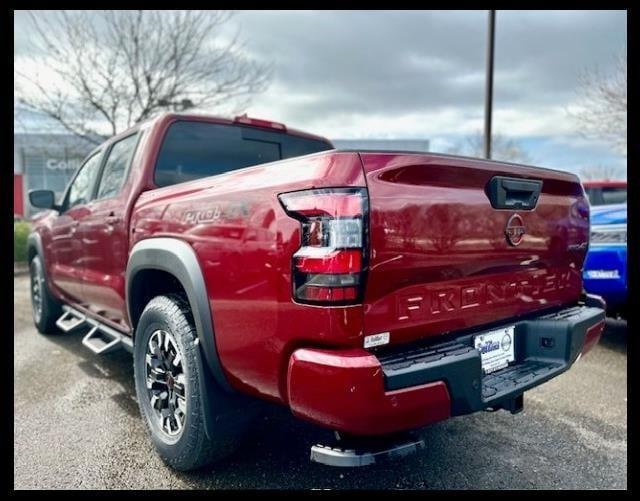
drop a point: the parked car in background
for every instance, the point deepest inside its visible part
(606, 192)
(605, 270)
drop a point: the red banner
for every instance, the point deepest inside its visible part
(18, 199)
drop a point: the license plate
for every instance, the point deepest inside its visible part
(602, 274)
(496, 348)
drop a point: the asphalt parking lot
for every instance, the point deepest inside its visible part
(77, 426)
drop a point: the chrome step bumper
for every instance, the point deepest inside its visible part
(366, 451)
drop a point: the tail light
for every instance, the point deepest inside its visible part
(329, 266)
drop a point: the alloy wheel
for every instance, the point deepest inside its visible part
(166, 382)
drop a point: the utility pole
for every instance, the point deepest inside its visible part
(488, 96)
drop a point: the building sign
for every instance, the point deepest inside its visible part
(60, 164)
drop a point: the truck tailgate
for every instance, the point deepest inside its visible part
(443, 257)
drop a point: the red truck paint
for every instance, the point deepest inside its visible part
(352, 398)
(438, 262)
(246, 257)
(439, 258)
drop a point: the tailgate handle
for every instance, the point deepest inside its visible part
(513, 193)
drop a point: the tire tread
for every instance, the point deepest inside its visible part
(198, 450)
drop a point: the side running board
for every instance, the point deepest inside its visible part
(100, 339)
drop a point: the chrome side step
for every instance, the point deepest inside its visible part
(365, 452)
(100, 339)
(70, 319)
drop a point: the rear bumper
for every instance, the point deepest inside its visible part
(353, 391)
(605, 273)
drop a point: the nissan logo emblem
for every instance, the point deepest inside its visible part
(514, 230)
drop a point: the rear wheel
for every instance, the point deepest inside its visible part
(45, 308)
(191, 421)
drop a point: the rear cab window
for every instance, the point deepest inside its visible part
(193, 150)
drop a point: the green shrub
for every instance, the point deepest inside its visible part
(20, 234)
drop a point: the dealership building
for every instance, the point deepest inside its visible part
(44, 161)
(47, 161)
(421, 145)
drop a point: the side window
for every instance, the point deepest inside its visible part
(82, 186)
(116, 166)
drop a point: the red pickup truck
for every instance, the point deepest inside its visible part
(370, 292)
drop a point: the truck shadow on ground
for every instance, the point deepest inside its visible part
(275, 453)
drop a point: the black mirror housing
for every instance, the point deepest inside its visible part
(42, 199)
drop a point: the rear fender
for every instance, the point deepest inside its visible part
(177, 258)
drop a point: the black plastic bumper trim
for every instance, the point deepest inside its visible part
(545, 346)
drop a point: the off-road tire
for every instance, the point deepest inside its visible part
(50, 308)
(226, 417)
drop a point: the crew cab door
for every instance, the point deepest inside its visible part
(104, 234)
(66, 249)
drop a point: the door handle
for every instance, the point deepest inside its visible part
(111, 220)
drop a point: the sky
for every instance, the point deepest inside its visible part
(421, 74)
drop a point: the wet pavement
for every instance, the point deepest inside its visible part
(77, 426)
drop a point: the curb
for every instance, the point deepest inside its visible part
(20, 269)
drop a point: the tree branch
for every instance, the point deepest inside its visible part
(105, 71)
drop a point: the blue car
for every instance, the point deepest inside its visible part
(605, 269)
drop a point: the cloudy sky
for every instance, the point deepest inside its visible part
(417, 75)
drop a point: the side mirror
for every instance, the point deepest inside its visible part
(43, 199)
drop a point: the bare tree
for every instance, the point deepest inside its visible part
(601, 172)
(602, 105)
(502, 148)
(107, 70)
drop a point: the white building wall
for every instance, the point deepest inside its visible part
(383, 144)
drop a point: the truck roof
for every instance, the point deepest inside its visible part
(242, 120)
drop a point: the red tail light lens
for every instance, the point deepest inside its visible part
(329, 266)
(339, 261)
